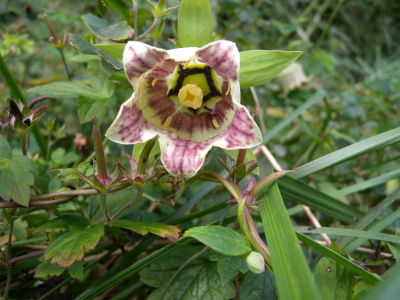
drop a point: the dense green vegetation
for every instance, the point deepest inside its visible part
(81, 219)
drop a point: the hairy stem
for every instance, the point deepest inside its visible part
(9, 268)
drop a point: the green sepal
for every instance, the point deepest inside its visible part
(195, 26)
(144, 156)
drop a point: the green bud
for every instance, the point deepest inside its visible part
(255, 262)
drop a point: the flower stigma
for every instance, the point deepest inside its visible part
(191, 96)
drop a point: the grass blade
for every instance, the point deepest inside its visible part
(299, 192)
(368, 145)
(367, 183)
(340, 259)
(350, 232)
(292, 274)
(306, 105)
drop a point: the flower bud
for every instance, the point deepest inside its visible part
(291, 78)
(255, 262)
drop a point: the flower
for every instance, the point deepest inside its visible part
(291, 78)
(189, 97)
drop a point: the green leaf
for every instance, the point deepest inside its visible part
(228, 266)
(388, 289)
(291, 271)
(259, 287)
(249, 156)
(66, 90)
(260, 66)
(372, 278)
(83, 46)
(76, 269)
(69, 174)
(117, 6)
(46, 269)
(199, 280)
(163, 230)
(333, 280)
(115, 50)
(395, 250)
(66, 221)
(368, 145)
(221, 239)
(16, 175)
(350, 232)
(71, 245)
(138, 148)
(299, 192)
(114, 30)
(89, 107)
(318, 95)
(195, 25)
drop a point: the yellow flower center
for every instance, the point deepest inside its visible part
(191, 96)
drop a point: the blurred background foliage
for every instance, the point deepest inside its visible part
(351, 49)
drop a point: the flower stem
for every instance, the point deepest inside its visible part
(134, 202)
(65, 63)
(103, 204)
(24, 139)
(241, 157)
(155, 22)
(230, 186)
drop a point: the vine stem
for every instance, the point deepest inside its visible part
(155, 22)
(134, 202)
(306, 209)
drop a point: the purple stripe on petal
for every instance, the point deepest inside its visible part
(243, 132)
(139, 58)
(223, 57)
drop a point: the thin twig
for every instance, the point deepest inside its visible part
(13, 261)
(363, 249)
(259, 109)
(134, 202)
(306, 209)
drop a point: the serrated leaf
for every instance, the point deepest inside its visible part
(89, 107)
(85, 168)
(221, 239)
(83, 46)
(16, 175)
(260, 66)
(259, 287)
(46, 269)
(68, 174)
(103, 29)
(229, 266)
(66, 221)
(76, 269)
(195, 25)
(333, 280)
(167, 231)
(71, 245)
(199, 279)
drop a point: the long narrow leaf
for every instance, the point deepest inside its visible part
(368, 145)
(292, 274)
(306, 105)
(340, 259)
(350, 232)
(367, 183)
(370, 217)
(301, 193)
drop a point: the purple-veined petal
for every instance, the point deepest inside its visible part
(242, 133)
(223, 57)
(130, 127)
(157, 107)
(139, 58)
(183, 157)
(182, 54)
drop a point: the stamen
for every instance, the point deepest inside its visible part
(215, 123)
(229, 87)
(154, 82)
(168, 121)
(187, 63)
